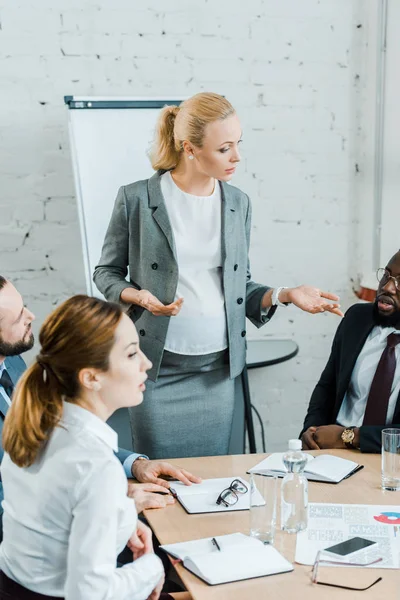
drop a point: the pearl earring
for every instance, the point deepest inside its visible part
(191, 157)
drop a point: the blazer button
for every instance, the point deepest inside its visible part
(239, 300)
(235, 268)
(142, 332)
(154, 266)
(243, 333)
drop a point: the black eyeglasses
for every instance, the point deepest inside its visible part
(383, 276)
(320, 561)
(230, 495)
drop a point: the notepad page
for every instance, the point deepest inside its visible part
(238, 563)
(331, 468)
(202, 497)
(207, 486)
(194, 548)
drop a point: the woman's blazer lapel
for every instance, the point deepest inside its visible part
(160, 213)
(228, 217)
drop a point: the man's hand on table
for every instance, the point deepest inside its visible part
(308, 441)
(327, 436)
(149, 471)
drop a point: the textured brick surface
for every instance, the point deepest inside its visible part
(292, 70)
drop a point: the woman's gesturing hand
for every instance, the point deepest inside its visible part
(311, 299)
(147, 300)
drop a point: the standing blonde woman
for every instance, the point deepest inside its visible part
(185, 234)
(66, 510)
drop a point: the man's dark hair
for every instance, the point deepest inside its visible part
(3, 282)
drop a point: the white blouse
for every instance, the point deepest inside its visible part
(67, 517)
(200, 327)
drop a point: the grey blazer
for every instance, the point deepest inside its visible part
(140, 237)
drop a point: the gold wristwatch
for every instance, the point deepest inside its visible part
(348, 437)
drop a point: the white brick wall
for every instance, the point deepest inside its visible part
(290, 69)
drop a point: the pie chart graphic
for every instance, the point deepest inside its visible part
(390, 518)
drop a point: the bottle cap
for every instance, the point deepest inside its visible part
(295, 445)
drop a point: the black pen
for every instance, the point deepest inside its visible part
(173, 493)
(214, 541)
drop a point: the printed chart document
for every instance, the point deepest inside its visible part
(325, 467)
(240, 557)
(330, 524)
(202, 497)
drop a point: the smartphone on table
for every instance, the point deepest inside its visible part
(349, 546)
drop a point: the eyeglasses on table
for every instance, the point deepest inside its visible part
(319, 560)
(230, 495)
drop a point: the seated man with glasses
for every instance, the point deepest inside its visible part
(358, 393)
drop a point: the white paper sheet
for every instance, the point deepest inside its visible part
(330, 524)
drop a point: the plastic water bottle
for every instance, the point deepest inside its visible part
(294, 491)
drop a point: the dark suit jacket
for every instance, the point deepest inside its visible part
(329, 393)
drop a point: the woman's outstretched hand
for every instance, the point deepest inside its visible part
(147, 300)
(311, 299)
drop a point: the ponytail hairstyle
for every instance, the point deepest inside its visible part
(79, 333)
(187, 122)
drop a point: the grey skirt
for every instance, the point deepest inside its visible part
(188, 411)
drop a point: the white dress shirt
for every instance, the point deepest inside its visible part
(3, 391)
(67, 517)
(200, 327)
(354, 403)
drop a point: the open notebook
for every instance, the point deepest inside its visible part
(202, 497)
(240, 557)
(325, 467)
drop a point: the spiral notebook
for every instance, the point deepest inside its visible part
(240, 557)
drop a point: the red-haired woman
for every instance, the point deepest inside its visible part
(66, 510)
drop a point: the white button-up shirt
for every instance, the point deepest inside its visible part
(67, 517)
(354, 403)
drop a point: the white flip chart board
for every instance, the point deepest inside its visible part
(110, 139)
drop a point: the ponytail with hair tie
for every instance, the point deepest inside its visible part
(166, 152)
(40, 362)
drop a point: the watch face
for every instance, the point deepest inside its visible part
(348, 435)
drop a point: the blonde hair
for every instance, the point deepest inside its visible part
(186, 122)
(77, 334)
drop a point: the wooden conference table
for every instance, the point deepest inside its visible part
(173, 524)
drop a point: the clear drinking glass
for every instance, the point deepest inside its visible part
(391, 459)
(263, 498)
